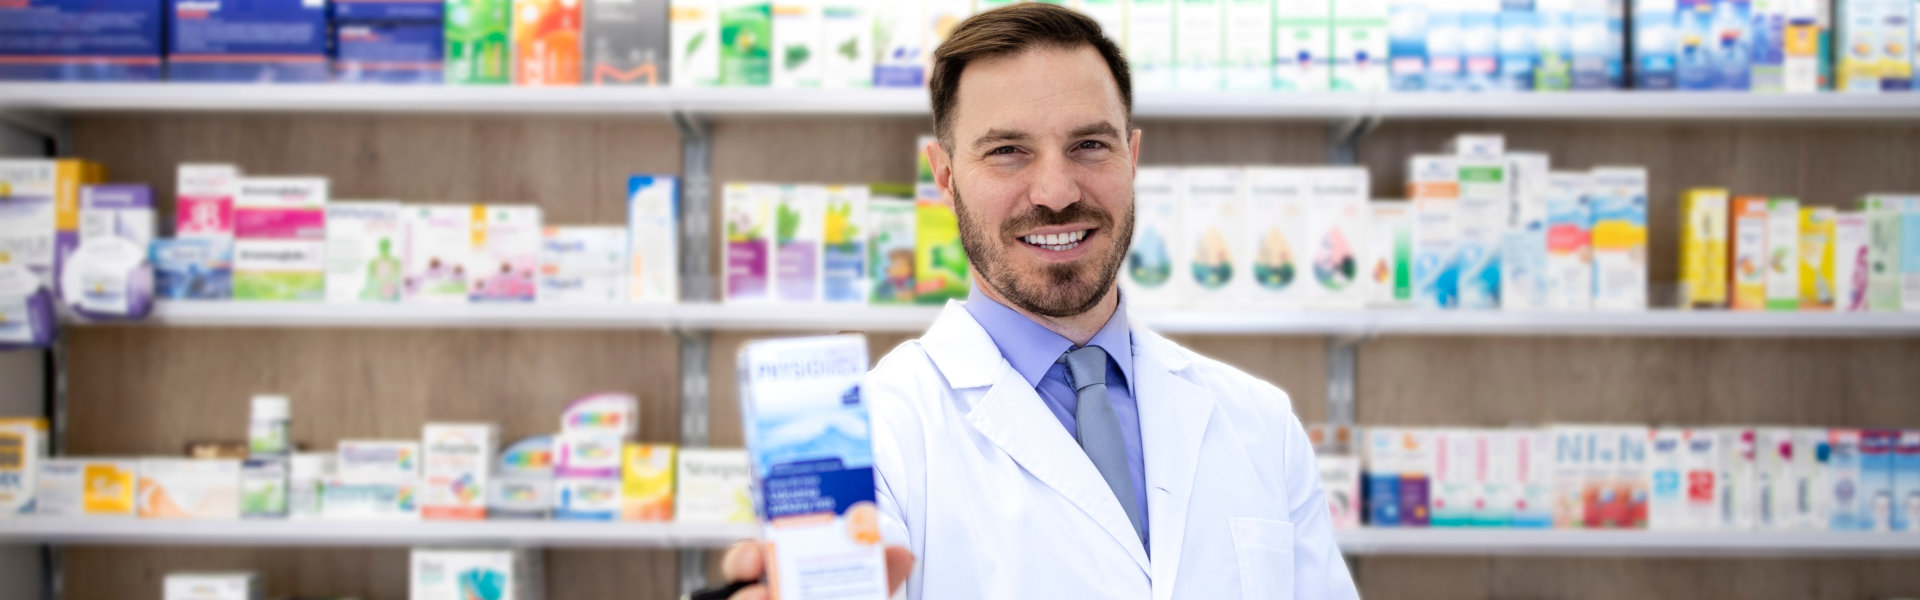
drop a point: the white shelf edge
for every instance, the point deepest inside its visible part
(1360, 542)
(371, 533)
(914, 319)
(905, 102)
(1576, 543)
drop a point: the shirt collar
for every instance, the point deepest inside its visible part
(1032, 349)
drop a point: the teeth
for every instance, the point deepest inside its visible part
(1057, 239)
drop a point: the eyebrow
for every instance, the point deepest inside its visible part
(996, 136)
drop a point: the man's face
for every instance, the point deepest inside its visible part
(1041, 177)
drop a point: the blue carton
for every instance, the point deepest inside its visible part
(80, 40)
(362, 11)
(248, 41)
(1654, 40)
(193, 268)
(390, 52)
(1519, 44)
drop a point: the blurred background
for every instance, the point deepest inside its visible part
(318, 299)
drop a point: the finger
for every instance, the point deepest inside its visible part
(743, 562)
(756, 592)
(899, 565)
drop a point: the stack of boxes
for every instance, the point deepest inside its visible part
(588, 455)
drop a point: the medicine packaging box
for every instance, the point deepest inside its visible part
(240, 41)
(626, 42)
(1620, 238)
(890, 218)
(1389, 252)
(183, 488)
(712, 487)
(1569, 242)
(213, 586)
(479, 41)
(843, 246)
(748, 250)
(1218, 250)
(1783, 254)
(439, 244)
(1276, 227)
(1484, 213)
(23, 442)
(365, 252)
(461, 574)
(646, 491)
(800, 214)
(378, 460)
(1817, 238)
(280, 239)
(1434, 188)
(505, 253)
(586, 498)
(653, 220)
(263, 488)
(694, 28)
(1851, 261)
(583, 265)
(1703, 247)
(456, 470)
(1336, 229)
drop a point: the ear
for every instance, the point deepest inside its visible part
(1133, 149)
(942, 164)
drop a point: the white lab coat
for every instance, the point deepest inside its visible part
(996, 500)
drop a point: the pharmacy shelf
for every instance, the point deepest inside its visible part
(912, 102)
(912, 319)
(1576, 543)
(552, 534)
(369, 533)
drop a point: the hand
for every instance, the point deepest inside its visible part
(744, 562)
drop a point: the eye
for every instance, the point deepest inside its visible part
(1091, 145)
(1002, 151)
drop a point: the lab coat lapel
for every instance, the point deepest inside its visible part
(1173, 420)
(1011, 415)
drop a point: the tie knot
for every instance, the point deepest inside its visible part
(1086, 367)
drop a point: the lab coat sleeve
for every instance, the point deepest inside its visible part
(1319, 570)
(898, 441)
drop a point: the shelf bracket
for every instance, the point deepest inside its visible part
(1343, 138)
(1343, 374)
(696, 285)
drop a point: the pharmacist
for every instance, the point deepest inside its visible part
(1036, 442)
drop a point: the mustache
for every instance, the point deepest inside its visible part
(1041, 216)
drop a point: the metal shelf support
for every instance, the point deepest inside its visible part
(696, 285)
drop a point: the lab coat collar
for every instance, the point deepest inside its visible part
(1011, 415)
(1174, 414)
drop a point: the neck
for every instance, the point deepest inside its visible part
(1078, 329)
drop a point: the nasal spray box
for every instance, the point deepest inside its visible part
(1523, 248)
(1483, 216)
(1303, 45)
(1433, 184)
(1360, 45)
(1382, 455)
(812, 460)
(1620, 238)
(1877, 451)
(653, 219)
(1389, 253)
(1407, 45)
(1654, 44)
(1906, 482)
(1569, 272)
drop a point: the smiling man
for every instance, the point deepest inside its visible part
(1036, 442)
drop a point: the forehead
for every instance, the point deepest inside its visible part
(1035, 90)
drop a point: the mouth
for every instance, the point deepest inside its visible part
(1058, 241)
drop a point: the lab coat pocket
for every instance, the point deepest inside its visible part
(1265, 550)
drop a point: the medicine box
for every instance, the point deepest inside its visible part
(799, 218)
(1360, 45)
(583, 265)
(1816, 258)
(1247, 58)
(1700, 479)
(1739, 488)
(1303, 45)
(1417, 471)
(87, 487)
(1500, 479)
(263, 488)
(1520, 27)
(1149, 43)
(458, 574)
(1602, 507)
(1783, 254)
(520, 497)
(1389, 254)
(646, 488)
(39, 214)
(1851, 261)
(812, 463)
(848, 34)
(1446, 70)
(587, 454)
(396, 11)
(1336, 229)
(693, 26)
(505, 254)
(711, 487)
(904, 46)
(843, 246)
(1703, 247)
(67, 40)
(1844, 497)
(1592, 45)
(479, 40)
(183, 488)
(267, 425)
(1535, 454)
(1805, 41)
(1668, 503)
(378, 460)
(1811, 477)
(1732, 54)
(1620, 238)
(1383, 464)
(1878, 449)
(439, 242)
(193, 268)
(307, 476)
(1480, 43)
(1767, 34)
(122, 211)
(1630, 477)
(940, 267)
(1277, 230)
(1774, 479)
(653, 220)
(1218, 250)
(1572, 446)
(1340, 478)
(456, 470)
(1199, 42)
(370, 500)
(1523, 248)
(1749, 269)
(1456, 478)
(280, 239)
(626, 42)
(546, 42)
(1434, 189)
(212, 586)
(1407, 45)
(387, 51)
(1569, 222)
(798, 48)
(203, 200)
(366, 248)
(586, 498)
(890, 226)
(746, 37)
(260, 41)
(608, 413)
(748, 251)
(1485, 208)
(1906, 482)
(1655, 41)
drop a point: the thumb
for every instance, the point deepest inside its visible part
(899, 565)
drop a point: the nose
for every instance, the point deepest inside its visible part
(1053, 183)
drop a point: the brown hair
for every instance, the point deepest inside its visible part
(1011, 30)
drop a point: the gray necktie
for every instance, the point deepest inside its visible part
(1099, 427)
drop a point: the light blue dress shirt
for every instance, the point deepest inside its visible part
(1033, 351)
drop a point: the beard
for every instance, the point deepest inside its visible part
(1056, 290)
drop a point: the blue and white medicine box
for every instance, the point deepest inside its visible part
(390, 52)
(265, 41)
(80, 40)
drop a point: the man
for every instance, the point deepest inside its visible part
(1035, 443)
